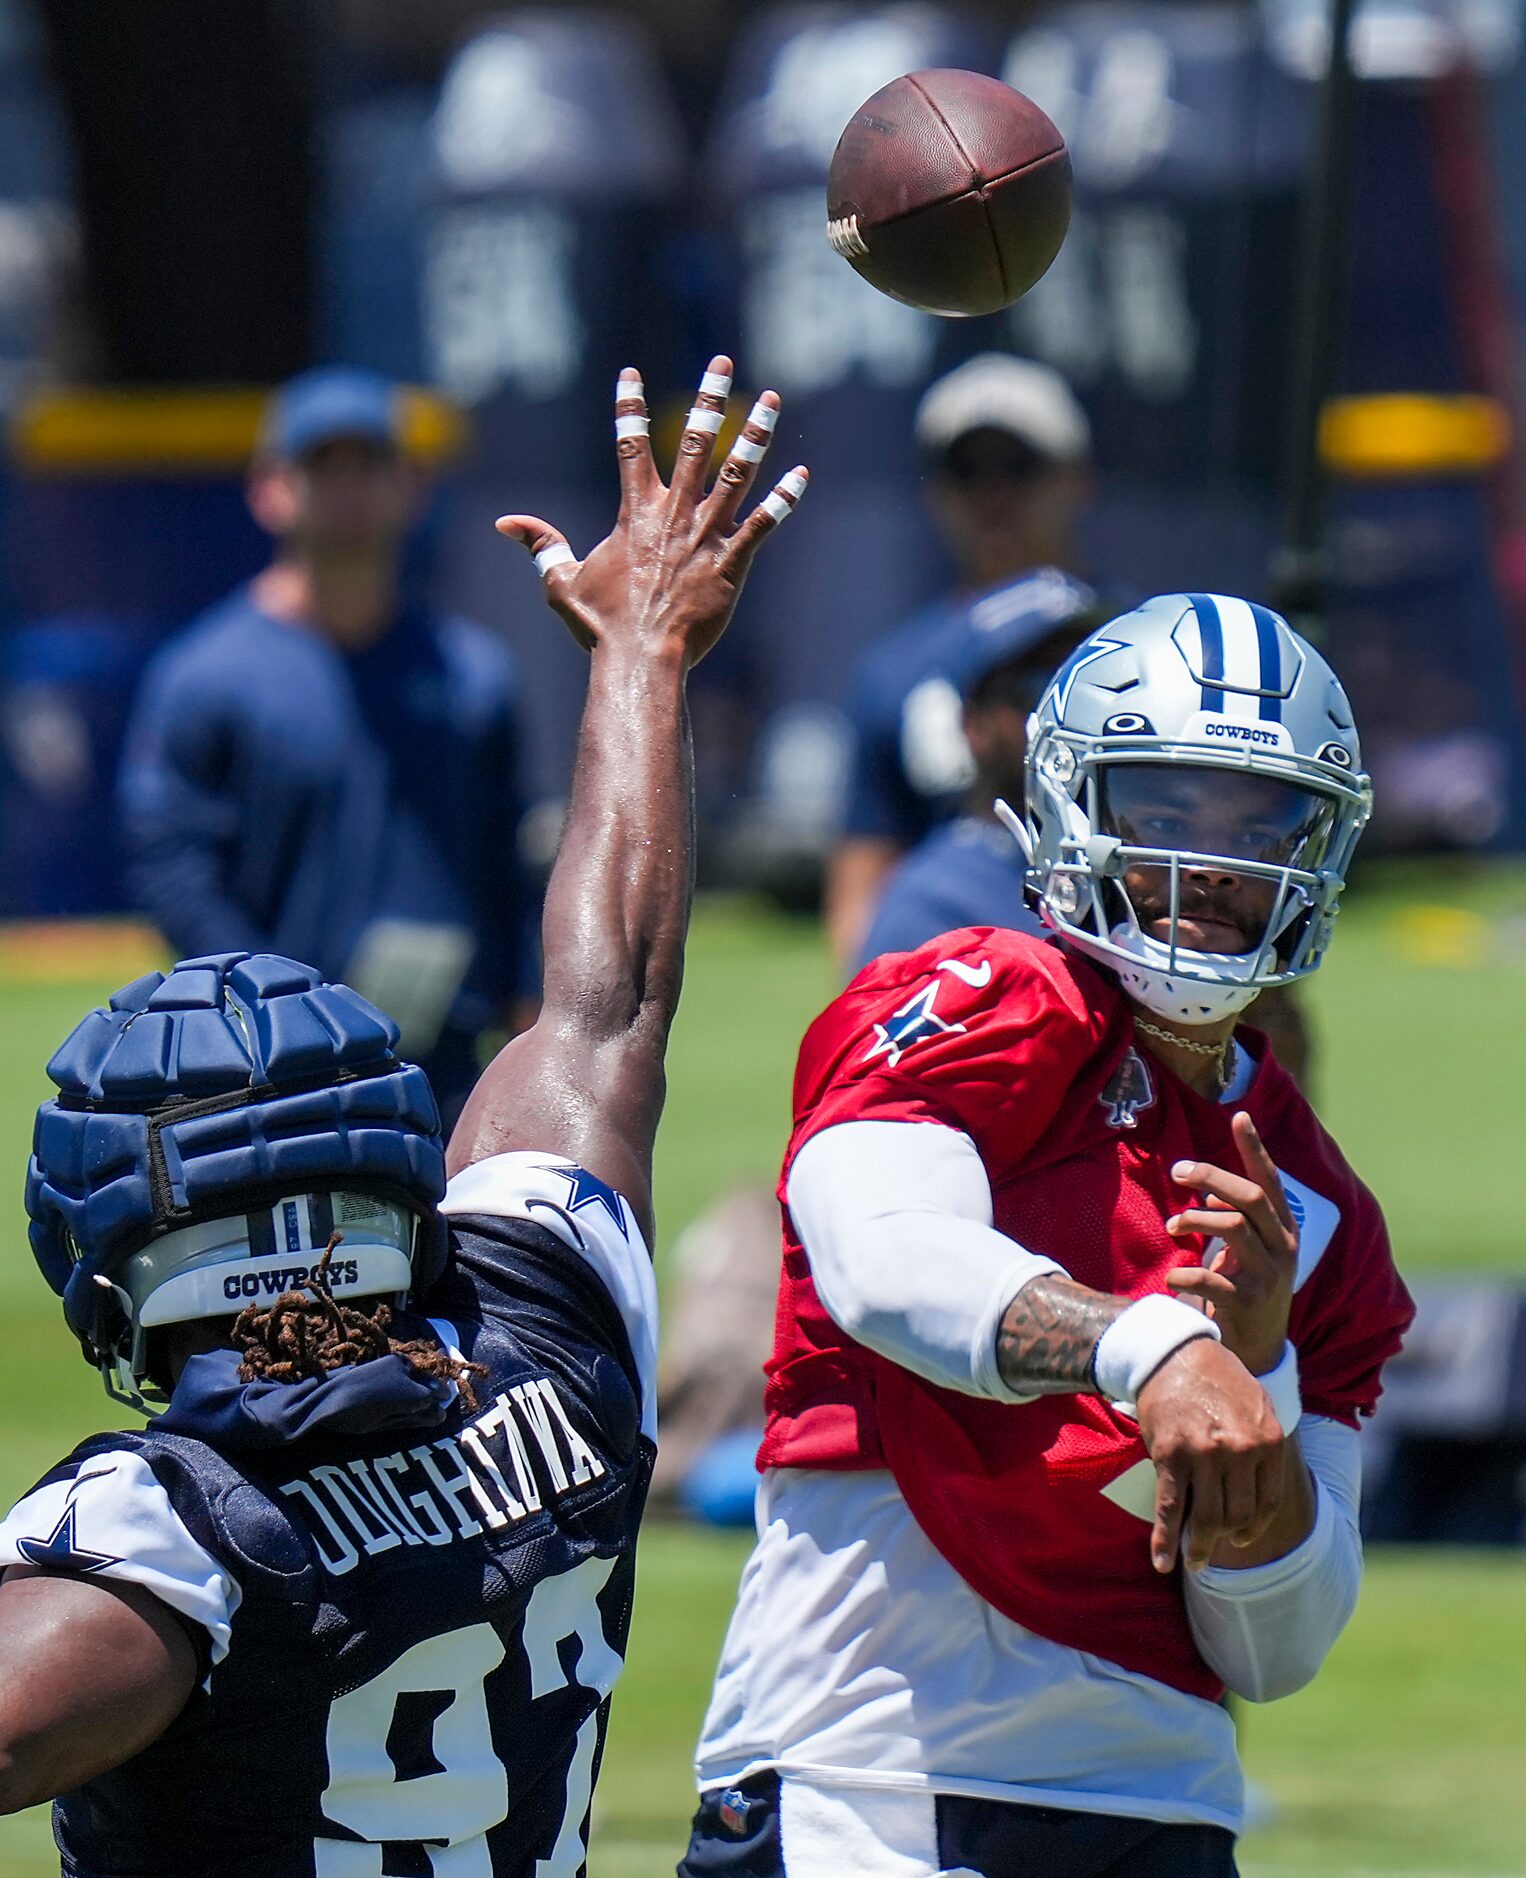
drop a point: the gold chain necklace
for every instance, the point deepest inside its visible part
(1219, 1050)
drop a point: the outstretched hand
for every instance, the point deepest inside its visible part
(666, 577)
(1247, 1286)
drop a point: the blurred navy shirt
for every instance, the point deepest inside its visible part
(279, 794)
(966, 873)
(911, 764)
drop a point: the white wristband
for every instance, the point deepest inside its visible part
(1281, 1384)
(1135, 1345)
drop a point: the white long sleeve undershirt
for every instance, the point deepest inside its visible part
(895, 1218)
(896, 1221)
(1266, 1629)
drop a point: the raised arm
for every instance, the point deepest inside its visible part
(648, 603)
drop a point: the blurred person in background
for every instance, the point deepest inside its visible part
(969, 871)
(324, 767)
(1007, 450)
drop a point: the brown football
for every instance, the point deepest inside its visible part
(950, 191)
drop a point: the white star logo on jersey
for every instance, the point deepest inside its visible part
(915, 1020)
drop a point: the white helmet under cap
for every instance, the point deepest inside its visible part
(1192, 681)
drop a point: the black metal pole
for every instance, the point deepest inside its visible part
(1301, 573)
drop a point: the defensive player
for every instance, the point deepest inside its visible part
(355, 1602)
(1025, 1513)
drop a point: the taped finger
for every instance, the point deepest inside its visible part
(631, 418)
(709, 418)
(750, 448)
(784, 497)
(557, 555)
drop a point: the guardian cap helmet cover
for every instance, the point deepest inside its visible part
(212, 1128)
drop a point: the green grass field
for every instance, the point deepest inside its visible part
(1405, 1755)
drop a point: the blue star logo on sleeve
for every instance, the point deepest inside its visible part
(60, 1552)
(589, 1190)
(915, 1020)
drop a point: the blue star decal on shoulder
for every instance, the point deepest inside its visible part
(915, 1020)
(60, 1552)
(589, 1190)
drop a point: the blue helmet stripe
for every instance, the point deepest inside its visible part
(1211, 638)
(1271, 662)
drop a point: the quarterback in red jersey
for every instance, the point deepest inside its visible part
(1080, 1310)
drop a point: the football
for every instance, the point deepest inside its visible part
(950, 191)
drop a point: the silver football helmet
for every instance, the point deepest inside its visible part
(1195, 738)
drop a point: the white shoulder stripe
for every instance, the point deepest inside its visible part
(113, 1519)
(589, 1217)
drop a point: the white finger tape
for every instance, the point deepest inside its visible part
(715, 385)
(746, 451)
(630, 388)
(763, 416)
(633, 424)
(710, 421)
(782, 498)
(557, 555)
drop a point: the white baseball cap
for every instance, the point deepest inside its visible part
(994, 391)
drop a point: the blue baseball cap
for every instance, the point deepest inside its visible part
(1020, 616)
(331, 402)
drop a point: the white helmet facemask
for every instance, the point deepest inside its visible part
(1193, 796)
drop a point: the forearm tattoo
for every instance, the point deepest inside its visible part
(1049, 1334)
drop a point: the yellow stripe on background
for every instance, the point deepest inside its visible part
(98, 952)
(1405, 434)
(195, 432)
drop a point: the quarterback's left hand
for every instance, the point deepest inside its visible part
(1247, 1288)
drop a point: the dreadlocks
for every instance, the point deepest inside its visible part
(306, 1334)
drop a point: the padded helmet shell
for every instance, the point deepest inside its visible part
(1208, 681)
(229, 1082)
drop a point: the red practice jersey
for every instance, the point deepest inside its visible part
(1031, 1052)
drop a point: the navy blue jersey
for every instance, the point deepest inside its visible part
(412, 1631)
(279, 794)
(911, 764)
(967, 873)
